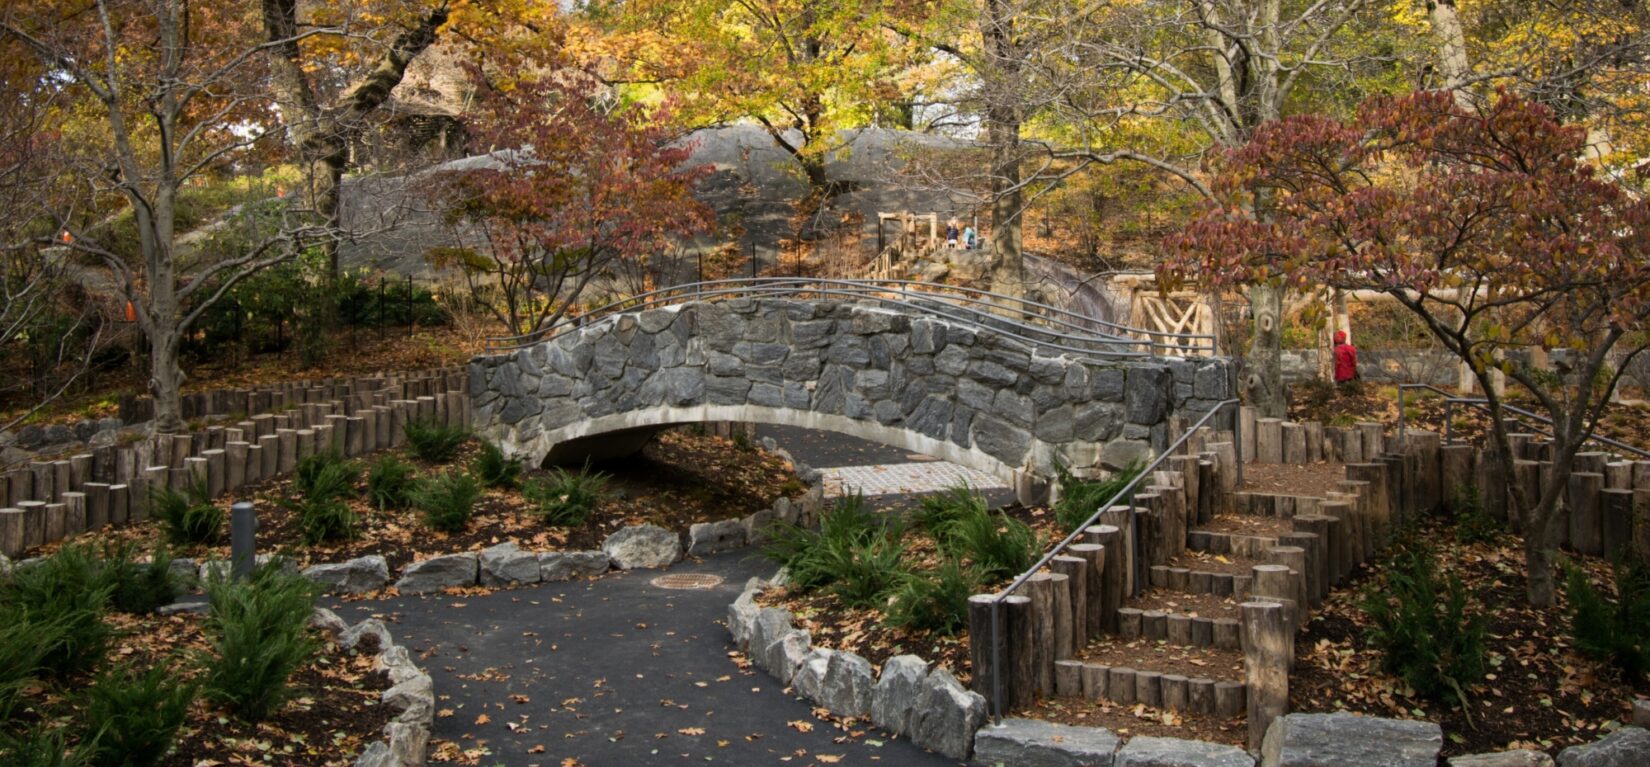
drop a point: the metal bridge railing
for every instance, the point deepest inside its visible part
(1451, 400)
(1126, 497)
(1035, 323)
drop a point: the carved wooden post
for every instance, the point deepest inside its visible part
(1094, 573)
(1040, 588)
(1075, 568)
(1113, 576)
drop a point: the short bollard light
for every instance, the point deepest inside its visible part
(243, 531)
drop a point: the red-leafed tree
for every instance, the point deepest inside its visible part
(576, 194)
(1489, 226)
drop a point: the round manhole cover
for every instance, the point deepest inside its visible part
(688, 581)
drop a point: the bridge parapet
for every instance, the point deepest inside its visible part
(963, 391)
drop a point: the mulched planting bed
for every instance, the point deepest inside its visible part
(1155, 655)
(1315, 480)
(1214, 563)
(333, 715)
(1195, 605)
(1245, 524)
(679, 479)
(1541, 693)
(865, 631)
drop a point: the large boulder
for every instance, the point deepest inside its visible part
(770, 623)
(643, 546)
(711, 537)
(894, 699)
(946, 716)
(849, 680)
(1311, 740)
(507, 564)
(362, 574)
(413, 698)
(439, 573)
(567, 565)
(785, 653)
(1035, 743)
(1144, 751)
(1626, 747)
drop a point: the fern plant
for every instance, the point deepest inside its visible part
(493, 469)
(435, 442)
(390, 483)
(565, 498)
(138, 588)
(258, 628)
(1427, 629)
(447, 500)
(189, 518)
(996, 545)
(326, 475)
(66, 595)
(1081, 498)
(935, 601)
(814, 558)
(1616, 631)
(936, 512)
(132, 716)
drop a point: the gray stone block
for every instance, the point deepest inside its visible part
(809, 679)
(643, 546)
(711, 537)
(1144, 751)
(1310, 740)
(847, 687)
(1520, 758)
(439, 573)
(355, 576)
(895, 697)
(567, 565)
(946, 716)
(1626, 747)
(506, 564)
(1035, 743)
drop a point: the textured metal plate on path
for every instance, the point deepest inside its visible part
(688, 581)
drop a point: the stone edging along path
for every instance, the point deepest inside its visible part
(412, 692)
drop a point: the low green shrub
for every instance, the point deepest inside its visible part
(995, 545)
(937, 511)
(934, 601)
(258, 628)
(68, 593)
(815, 558)
(326, 475)
(1473, 524)
(138, 588)
(390, 483)
(434, 442)
(133, 716)
(25, 642)
(447, 500)
(1615, 631)
(565, 498)
(1080, 498)
(864, 573)
(493, 469)
(323, 518)
(1427, 629)
(41, 747)
(189, 518)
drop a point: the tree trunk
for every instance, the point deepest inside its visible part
(1538, 569)
(1003, 129)
(1263, 363)
(165, 376)
(1453, 65)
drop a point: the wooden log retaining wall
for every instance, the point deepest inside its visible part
(46, 501)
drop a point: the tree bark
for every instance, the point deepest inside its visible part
(322, 136)
(1263, 363)
(1453, 65)
(1003, 131)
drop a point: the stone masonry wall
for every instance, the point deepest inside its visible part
(961, 392)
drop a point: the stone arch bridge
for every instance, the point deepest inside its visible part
(1003, 386)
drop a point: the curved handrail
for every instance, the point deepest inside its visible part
(1451, 400)
(1127, 491)
(1066, 331)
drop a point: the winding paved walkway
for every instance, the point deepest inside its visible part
(616, 671)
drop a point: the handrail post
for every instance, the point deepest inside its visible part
(1401, 417)
(1237, 438)
(997, 660)
(1449, 422)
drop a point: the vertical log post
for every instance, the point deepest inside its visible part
(1094, 571)
(1268, 645)
(1040, 588)
(1075, 568)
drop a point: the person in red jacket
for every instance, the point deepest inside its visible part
(1346, 360)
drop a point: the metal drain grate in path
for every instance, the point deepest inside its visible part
(685, 581)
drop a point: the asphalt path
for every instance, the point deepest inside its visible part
(619, 671)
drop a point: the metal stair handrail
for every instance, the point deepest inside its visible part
(1451, 400)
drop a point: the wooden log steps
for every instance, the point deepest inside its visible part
(1179, 630)
(1125, 686)
(1230, 544)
